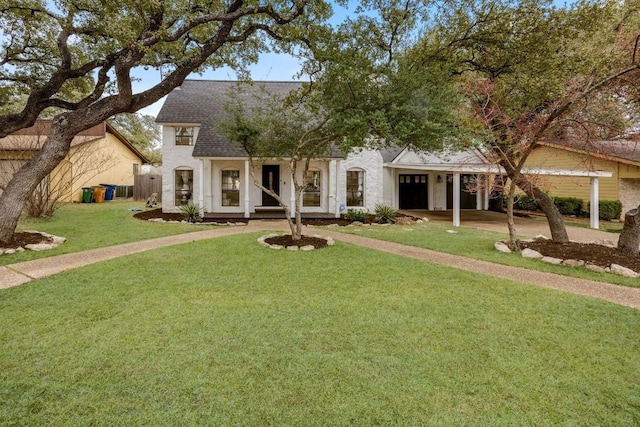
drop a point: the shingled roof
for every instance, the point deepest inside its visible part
(621, 150)
(202, 102)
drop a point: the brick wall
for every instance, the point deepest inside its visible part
(629, 190)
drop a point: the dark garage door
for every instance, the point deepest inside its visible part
(413, 191)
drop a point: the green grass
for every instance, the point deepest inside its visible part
(473, 243)
(608, 226)
(89, 226)
(94, 225)
(225, 332)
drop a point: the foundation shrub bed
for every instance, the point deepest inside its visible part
(608, 209)
(568, 205)
(356, 215)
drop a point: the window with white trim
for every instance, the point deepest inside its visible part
(230, 187)
(183, 135)
(355, 188)
(311, 195)
(183, 187)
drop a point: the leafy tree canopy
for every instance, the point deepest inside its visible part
(71, 54)
(80, 58)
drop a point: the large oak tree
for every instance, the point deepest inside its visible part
(81, 57)
(532, 71)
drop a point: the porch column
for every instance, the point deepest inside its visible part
(456, 199)
(336, 204)
(292, 205)
(431, 190)
(594, 204)
(487, 193)
(332, 186)
(479, 185)
(201, 186)
(247, 187)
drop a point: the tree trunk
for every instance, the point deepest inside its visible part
(554, 217)
(27, 178)
(629, 240)
(294, 226)
(513, 238)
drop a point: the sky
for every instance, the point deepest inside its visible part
(271, 66)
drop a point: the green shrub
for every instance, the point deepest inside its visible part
(568, 205)
(524, 203)
(608, 209)
(356, 215)
(190, 212)
(386, 214)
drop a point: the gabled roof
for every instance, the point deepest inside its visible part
(202, 102)
(470, 160)
(621, 150)
(34, 137)
(390, 153)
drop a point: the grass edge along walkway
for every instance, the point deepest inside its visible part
(621, 295)
(21, 273)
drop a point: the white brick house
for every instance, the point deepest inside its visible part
(200, 166)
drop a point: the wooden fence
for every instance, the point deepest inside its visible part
(144, 185)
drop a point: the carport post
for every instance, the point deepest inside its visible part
(594, 204)
(456, 199)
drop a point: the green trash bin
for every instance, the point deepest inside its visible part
(87, 195)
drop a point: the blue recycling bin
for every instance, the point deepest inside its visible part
(109, 192)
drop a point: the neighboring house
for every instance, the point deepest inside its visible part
(201, 166)
(621, 158)
(99, 155)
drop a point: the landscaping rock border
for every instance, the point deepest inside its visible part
(262, 241)
(55, 241)
(574, 263)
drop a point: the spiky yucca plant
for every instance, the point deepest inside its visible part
(191, 212)
(385, 214)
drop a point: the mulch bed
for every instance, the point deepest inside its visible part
(599, 255)
(157, 213)
(21, 239)
(285, 240)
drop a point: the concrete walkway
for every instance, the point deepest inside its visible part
(24, 272)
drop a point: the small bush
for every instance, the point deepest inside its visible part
(356, 215)
(568, 205)
(190, 212)
(609, 209)
(525, 203)
(386, 214)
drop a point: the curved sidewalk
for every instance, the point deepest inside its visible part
(24, 272)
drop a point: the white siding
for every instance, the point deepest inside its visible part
(176, 157)
(369, 161)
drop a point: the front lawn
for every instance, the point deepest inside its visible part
(226, 332)
(473, 243)
(95, 225)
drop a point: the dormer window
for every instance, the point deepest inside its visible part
(184, 135)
